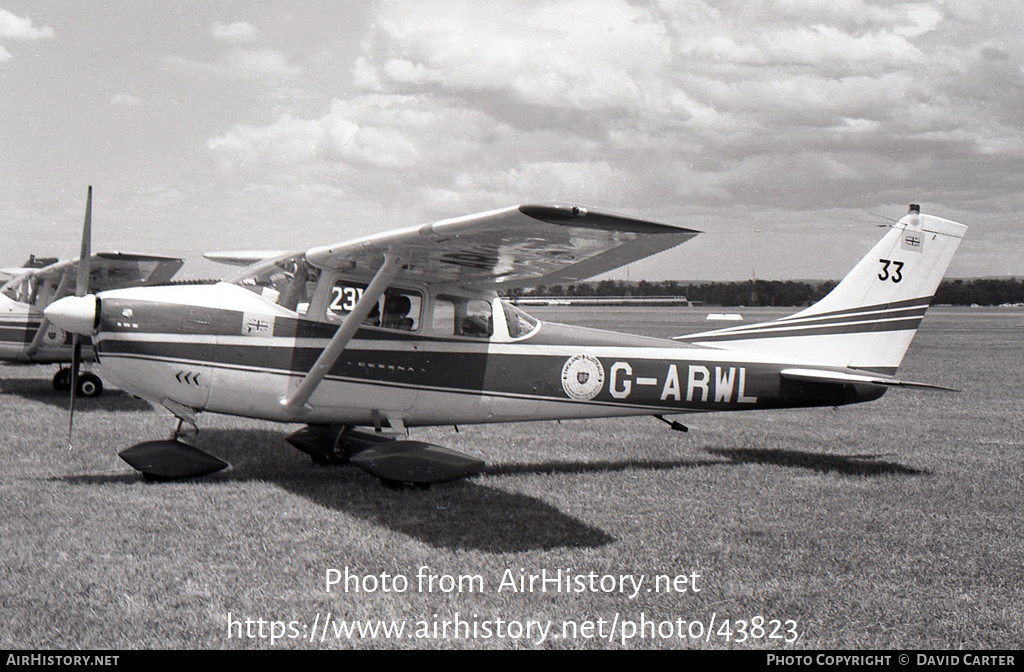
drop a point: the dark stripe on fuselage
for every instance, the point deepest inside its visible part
(896, 316)
(358, 361)
(921, 302)
(855, 318)
(779, 331)
(630, 381)
(21, 333)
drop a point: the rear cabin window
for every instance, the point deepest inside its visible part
(462, 316)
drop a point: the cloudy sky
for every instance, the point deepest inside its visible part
(786, 130)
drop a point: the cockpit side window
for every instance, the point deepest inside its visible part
(397, 309)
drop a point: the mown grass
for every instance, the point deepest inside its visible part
(887, 525)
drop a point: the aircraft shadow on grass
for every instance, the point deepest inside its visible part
(465, 515)
(41, 390)
(850, 465)
(596, 467)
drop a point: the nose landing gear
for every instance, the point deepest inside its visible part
(89, 384)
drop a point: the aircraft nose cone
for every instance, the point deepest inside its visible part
(76, 314)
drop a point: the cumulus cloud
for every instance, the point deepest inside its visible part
(18, 28)
(575, 53)
(239, 64)
(240, 58)
(14, 27)
(240, 32)
(785, 104)
(374, 131)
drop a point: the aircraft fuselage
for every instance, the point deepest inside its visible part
(233, 351)
(19, 324)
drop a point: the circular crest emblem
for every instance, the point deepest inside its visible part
(582, 377)
(54, 336)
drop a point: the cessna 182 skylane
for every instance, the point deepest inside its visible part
(406, 328)
(27, 337)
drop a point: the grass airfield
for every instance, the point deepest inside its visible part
(893, 524)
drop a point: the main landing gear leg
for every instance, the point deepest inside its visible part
(179, 431)
(396, 463)
(185, 415)
(323, 443)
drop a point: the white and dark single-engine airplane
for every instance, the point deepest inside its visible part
(27, 337)
(407, 328)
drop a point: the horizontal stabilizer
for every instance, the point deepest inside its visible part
(843, 378)
(416, 462)
(164, 460)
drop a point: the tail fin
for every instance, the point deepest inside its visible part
(869, 319)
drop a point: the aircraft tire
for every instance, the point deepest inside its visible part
(62, 380)
(89, 385)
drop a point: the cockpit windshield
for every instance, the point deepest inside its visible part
(30, 289)
(288, 281)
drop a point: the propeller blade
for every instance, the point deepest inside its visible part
(82, 286)
(76, 360)
(81, 289)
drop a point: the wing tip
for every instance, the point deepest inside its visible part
(575, 215)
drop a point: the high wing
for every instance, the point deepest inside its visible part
(519, 246)
(108, 270)
(28, 265)
(244, 257)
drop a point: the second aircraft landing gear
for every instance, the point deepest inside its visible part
(89, 384)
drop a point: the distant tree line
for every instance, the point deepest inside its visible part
(984, 292)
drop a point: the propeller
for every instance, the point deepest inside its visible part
(81, 289)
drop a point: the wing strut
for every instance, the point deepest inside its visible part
(37, 340)
(387, 272)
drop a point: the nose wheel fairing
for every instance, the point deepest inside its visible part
(171, 459)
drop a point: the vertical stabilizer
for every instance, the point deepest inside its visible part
(869, 319)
